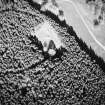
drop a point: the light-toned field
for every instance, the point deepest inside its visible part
(87, 13)
(78, 17)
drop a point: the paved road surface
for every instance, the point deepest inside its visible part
(73, 19)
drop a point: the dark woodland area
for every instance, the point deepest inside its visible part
(29, 76)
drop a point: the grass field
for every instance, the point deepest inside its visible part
(75, 20)
(87, 13)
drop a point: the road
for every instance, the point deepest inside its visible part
(74, 19)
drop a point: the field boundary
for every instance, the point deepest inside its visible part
(91, 33)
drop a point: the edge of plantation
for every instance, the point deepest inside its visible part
(72, 32)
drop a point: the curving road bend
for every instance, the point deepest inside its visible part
(74, 19)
